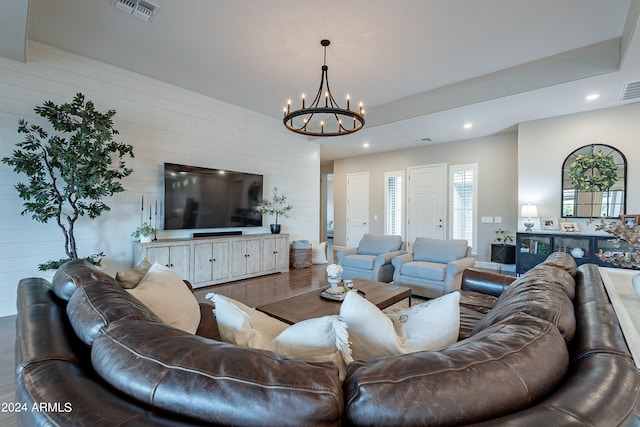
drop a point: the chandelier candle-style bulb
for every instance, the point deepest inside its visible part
(310, 120)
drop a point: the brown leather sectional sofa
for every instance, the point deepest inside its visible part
(544, 350)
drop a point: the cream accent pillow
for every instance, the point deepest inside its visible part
(429, 326)
(169, 298)
(323, 339)
(319, 253)
(130, 279)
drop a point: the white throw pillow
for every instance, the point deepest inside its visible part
(319, 253)
(322, 339)
(169, 298)
(429, 326)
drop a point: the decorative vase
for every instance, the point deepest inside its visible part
(275, 228)
(145, 239)
(333, 281)
(635, 281)
(577, 252)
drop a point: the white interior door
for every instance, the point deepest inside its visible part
(426, 202)
(357, 207)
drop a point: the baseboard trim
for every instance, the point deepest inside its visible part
(496, 266)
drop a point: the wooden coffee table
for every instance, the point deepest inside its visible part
(311, 304)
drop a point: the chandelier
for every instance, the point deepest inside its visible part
(323, 118)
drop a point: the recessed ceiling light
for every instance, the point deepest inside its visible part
(468, 125)
(365, 145)
(592, 97)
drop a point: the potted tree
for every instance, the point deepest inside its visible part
(277, 207)
(70, 169)
(501, 249)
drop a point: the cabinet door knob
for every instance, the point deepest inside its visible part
(211, 260)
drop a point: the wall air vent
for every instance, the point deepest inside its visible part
(631, 91)
(141, 9)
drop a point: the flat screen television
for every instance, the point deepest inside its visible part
(197, 197)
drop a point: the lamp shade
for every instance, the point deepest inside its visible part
(529, 211)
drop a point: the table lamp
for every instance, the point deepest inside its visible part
(529, 211)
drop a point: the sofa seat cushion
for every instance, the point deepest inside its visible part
(364, 262)
(437, 250)
(164, 292)
(431, 325)
(424, 270)
(323, 339)
(469, 319)
(375, 244)
(477, 301)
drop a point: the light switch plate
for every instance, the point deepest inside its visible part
(487, 220)
(497, 220)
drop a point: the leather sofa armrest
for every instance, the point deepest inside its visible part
(486, 282)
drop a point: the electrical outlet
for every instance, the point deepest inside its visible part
(497, 220)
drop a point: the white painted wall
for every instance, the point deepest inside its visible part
(496, 157)
(163, 123)
(544, 144)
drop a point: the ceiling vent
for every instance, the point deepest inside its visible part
(631, 91)
(141, 9)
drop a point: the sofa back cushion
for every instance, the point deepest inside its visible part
(74, 274)
(215, 383)
(544, 292)
(97, 304)
(437, 250)
(376, 244)
(501, 370)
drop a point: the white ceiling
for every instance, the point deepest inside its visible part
(422, 68)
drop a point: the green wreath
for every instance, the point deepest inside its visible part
(593, 172)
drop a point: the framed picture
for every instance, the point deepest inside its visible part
(549, 223)
(629, 220)
(569, 227)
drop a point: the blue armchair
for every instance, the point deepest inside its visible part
(372, 258)
(434, 268)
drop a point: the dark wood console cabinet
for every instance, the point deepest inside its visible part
(533, 248)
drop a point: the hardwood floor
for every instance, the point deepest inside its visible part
(252, 292)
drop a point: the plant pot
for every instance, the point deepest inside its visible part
(145, 239)
(502, 253)
(275, 228)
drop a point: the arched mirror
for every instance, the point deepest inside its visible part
(587, 200)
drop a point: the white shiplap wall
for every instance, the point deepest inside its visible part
(163, 123)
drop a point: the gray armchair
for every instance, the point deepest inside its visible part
(434, 268)
(372, 258)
